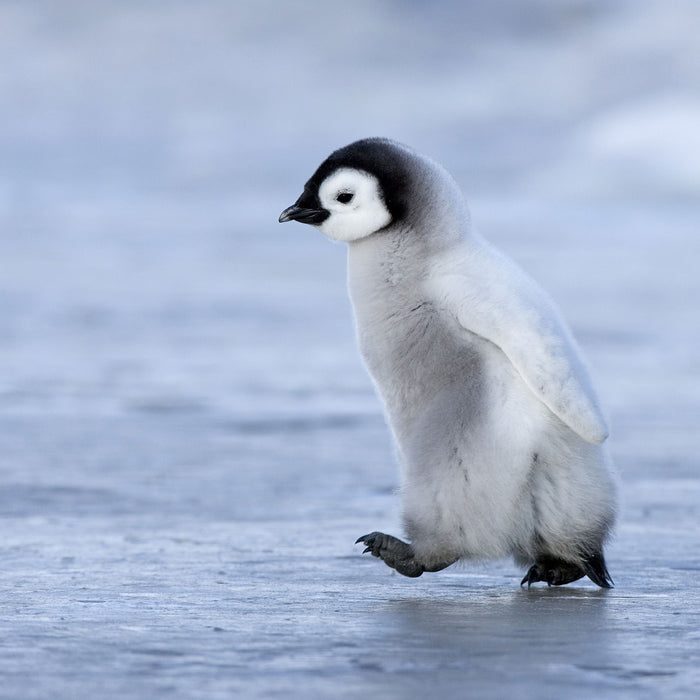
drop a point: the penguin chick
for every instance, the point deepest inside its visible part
(498, 430)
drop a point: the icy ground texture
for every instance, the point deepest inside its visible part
(188, 443)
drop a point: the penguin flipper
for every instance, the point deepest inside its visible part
(496, 301)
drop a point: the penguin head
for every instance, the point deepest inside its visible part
(358, 190)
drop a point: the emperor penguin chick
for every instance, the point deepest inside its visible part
(498, 430)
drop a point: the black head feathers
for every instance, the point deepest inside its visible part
(387, 160)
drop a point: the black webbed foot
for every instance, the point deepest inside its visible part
(401, 556)
(558, 572)
(555, 572)
(393, 552)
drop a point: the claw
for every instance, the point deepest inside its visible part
(531, 576)
(363, 538)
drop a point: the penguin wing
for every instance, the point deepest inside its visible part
(500, 303)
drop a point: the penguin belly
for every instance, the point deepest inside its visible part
(487, 470)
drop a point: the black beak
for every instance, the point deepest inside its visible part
(303, 215)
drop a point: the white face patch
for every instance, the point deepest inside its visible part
(353, 199)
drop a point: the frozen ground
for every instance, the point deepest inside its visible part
(188, 443)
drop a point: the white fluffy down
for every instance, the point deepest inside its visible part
(496, 423)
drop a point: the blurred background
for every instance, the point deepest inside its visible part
(147, 149)
(180, 390)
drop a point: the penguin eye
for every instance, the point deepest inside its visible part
(345, 197)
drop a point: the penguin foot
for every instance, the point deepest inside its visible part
(558, 572)
(595, 569)
(400, 555)
(555, 572)
(393, 552)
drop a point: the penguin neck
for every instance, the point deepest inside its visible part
(402, 254)
(387, 270)
(385, 261)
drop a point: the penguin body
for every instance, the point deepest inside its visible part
(498, 430)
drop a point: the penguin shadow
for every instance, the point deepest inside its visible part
(490, 620)
(562, 592)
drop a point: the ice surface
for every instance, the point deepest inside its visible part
(189, 445)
